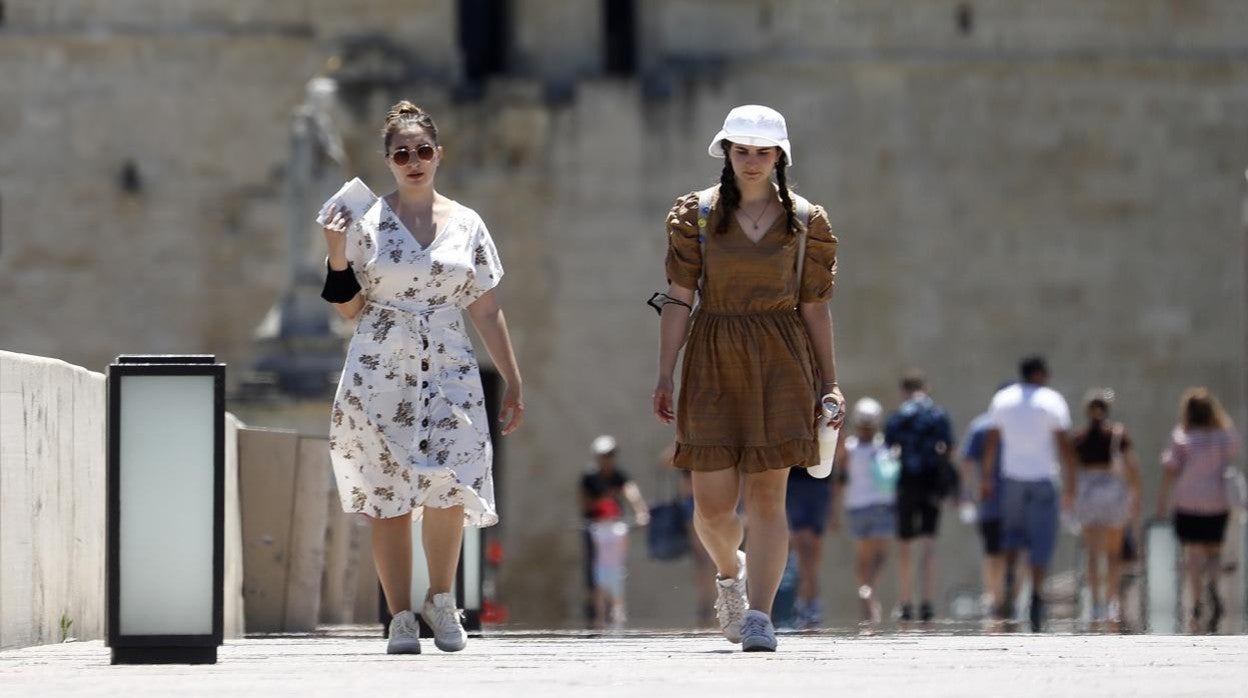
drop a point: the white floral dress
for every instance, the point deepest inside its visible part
(409, 428)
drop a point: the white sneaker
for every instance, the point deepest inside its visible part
(446, 621)
(757, 633)
(731, 605)
(404, 634)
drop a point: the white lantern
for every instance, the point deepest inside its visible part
(165, 510)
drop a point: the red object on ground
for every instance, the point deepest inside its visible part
(493, 613)
(494, 553)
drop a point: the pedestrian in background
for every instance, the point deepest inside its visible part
(609, 534)
(922, 431)
(997, 597)
(866, 492)
(1194, 488)
(1107, 500)
(605, 481)
(757, 360)
(1030, 424)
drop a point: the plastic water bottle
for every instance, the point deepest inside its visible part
(828, 435)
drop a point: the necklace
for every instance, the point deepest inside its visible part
(755, 219)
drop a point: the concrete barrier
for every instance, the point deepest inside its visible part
(285, 480)
(52, 527)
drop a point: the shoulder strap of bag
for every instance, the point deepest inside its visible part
(705, 197)
(801, 207)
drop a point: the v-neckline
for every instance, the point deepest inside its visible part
(407, 231)
(766, 231)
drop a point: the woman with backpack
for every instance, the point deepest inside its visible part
(758, 357)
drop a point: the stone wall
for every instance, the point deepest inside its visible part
(1065, 177)
(52, 508)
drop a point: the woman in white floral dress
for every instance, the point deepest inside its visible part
(409, 435)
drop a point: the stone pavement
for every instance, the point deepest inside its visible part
(349, 661)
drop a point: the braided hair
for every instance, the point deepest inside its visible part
(730, 195)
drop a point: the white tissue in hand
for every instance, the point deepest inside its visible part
(355, 196)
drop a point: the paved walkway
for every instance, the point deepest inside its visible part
(349, 662)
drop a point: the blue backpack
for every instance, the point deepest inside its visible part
(925, 435)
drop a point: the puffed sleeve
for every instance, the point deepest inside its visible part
(819, 272)
(684, 252)
(487, 267)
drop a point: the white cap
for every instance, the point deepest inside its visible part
(756, 125)
(867, 411)
(603, 445)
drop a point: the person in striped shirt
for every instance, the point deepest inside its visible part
(1194, 488)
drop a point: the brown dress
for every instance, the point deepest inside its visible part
(749, 381)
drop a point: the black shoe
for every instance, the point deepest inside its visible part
(1037, 613)
(907, 614)
(926, 614)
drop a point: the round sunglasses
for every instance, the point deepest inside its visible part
(403, 155)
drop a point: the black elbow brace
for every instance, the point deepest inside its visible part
(340, 286)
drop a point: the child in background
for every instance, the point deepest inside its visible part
(866, 490)
(610, 537)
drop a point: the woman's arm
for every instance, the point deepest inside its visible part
(673, 330)
(487, 317)
(1131, 466)
(632, 495)
(352, 307)
(1163, 492)
(336, 240)
(818, 320)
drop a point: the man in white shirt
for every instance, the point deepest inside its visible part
(1030, 424)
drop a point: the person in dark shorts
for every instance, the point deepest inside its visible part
(605, 481)
(988, 514)
(808, 502)
(924, 434)
(1194, 485)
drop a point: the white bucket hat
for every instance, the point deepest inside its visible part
(753, 124)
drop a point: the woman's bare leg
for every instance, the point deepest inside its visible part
(442, 533)
(715, 496)
(767, 549)
(392, 555)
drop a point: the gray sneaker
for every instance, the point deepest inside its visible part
(731, 605)
(404, 634)
(447, 623)
(757, 633)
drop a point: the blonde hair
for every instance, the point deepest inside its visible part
(403, 115)
(1200, 409)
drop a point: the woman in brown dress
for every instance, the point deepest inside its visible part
(758, 358)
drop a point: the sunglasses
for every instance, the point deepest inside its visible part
(403, 155)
